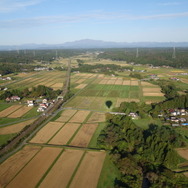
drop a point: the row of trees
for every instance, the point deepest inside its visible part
(144, 157)
(155, 56)
(106, 69)
(35, 92)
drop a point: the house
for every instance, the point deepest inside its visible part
(30, 103)
(44, 101)
(15, 98)
(133, 115)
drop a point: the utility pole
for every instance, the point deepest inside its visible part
(174, 53)
(137, 55)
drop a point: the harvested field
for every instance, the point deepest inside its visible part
(183, 152)
(184, 80)
(35, 169)
(152, 90)
(153, 94)
(89, 171)
(47, 132)
(10, 167)
(81, 86)
(96, 117)
(147, 84)
(66, 115)
(57, 85)
(65, 134)
(126, 82)
(118, 82)
(9, 110)
(111, 82)
(84, 135)
(80, 81)
(62, 171)
(103, 81)
(134, 83)
(80, 116)
(20, 112)
(15, 128)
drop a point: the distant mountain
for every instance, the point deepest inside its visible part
(88, 43)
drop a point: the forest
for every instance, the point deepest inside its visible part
(154, 56)
(143, 157)
(10, 61)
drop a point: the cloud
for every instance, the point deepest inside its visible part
(91, 17)
(7, 6)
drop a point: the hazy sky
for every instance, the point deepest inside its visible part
(59, 21)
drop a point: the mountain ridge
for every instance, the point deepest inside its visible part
(89, 43)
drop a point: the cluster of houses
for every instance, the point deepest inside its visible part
(5, 78)
(42, 106)
(12, 99)
(176, 117)
(174, 78)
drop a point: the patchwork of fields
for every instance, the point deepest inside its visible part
(52, 167)
(116, 89)
(63, 152)
(53, 79)
(72, 128)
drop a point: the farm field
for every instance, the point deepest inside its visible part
(72, 131)
(117, 90)
(15, 128)
(63, 153)
(58, 167)
(52, 79)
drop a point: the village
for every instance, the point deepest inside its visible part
(175, 117)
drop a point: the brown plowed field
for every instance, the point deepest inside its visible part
(15, 163)
(89, 171)
(152, 90)
(183, 152)
(20, 112)
(35, 169)
(15, 128)
(9, 110)
(110, 82)
(57, 85)
(103, 81)
(80, 81)
(134, 83)
(84, 135)
(47, 132)
(118, 82)
(80, 116)
(126, 82)
(64, 135)
(96, 117)
(66, 115)
(81, 86)
(62, 171)
(153, 94)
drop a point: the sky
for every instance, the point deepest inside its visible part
(60, 21)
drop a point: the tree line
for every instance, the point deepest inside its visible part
(154, 56)
(35, 92)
